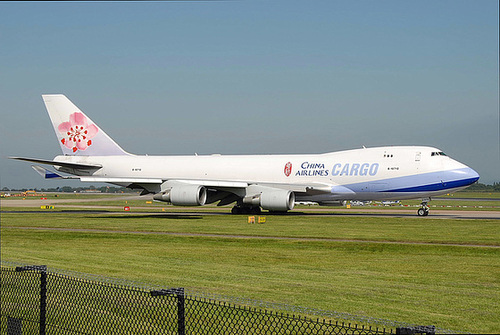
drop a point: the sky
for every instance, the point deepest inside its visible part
(253, 77)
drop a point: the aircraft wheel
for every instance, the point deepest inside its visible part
(423, 211)
(255, 210)
(245, 210)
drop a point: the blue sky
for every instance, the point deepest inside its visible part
(251, 77)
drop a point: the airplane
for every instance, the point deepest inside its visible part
(253, 182)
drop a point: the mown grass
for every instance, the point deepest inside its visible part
(393, 229)
(473, 194)
(454, 287)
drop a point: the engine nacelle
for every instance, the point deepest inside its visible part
(185, 195)
(277, 200)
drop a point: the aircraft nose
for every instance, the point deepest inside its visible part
(470, 176)
(473, 175)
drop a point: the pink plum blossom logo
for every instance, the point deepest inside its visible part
(77, 133)
(288, 169)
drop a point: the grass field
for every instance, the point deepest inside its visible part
(424, 271)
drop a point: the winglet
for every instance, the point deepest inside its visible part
(76, 133)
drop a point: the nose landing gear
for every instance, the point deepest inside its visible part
(424, 210)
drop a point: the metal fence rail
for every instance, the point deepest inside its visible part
(37, 301)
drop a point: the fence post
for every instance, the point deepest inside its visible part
(181, 312)
(43, 300)
(181, 309)
(43, 291)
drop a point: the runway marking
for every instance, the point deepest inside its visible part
(301, 239)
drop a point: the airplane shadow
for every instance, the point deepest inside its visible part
(155, 216)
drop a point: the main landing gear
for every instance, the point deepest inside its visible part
(245, 210)
(424, 210)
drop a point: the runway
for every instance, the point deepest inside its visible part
(70, 205)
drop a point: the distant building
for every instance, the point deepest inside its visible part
(90, 191)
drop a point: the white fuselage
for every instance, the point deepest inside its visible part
(362, 174)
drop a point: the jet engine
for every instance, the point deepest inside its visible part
(184, 195)
(273, 200)
(279, 200)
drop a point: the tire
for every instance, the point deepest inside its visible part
(255, 210)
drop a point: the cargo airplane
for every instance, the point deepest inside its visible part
(252, 182)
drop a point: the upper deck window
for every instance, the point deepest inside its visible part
(438, 153)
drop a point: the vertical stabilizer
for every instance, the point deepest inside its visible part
(76, 133)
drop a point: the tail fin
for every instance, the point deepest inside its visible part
(76, 132)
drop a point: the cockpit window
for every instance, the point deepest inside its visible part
(438, 153)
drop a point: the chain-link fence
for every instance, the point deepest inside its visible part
(37, 301)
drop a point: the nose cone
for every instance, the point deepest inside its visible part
(472, 175)
(459, 174)
(466, 176)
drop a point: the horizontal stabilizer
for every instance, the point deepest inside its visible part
(56, 163)
(47, 174)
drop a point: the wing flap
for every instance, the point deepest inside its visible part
(315, 188)
(211, 183)
(120, 180)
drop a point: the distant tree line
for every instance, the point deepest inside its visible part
(91, 188)
(478, 187)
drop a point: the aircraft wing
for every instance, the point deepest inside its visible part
(154, 185)
(222, 191)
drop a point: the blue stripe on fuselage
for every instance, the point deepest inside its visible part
(436, 187)
(426, 182)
